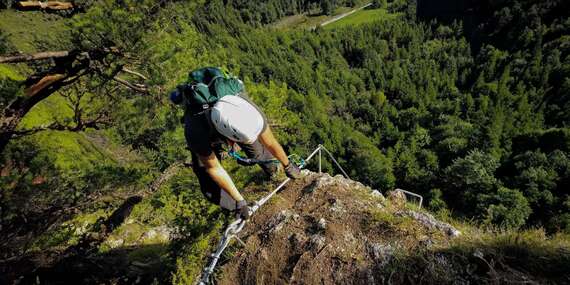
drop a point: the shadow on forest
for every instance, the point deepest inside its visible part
(83, 264)
(143, 264)
(36, 196)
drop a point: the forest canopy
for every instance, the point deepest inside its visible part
(470, 111)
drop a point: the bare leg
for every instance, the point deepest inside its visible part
(268, 140)
(220, 176)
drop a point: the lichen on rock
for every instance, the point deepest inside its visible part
(431, 222)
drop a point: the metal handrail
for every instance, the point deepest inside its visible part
(412, 194)
(333, 159)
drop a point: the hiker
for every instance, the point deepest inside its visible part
(218, 112)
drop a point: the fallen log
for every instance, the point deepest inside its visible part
(48, 5)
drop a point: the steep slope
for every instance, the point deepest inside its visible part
(331, 230)
(333, 226)
(59, 189)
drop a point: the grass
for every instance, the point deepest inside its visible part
(362, 17)
(26, 30)
(70, 151)
(68, 233)
(7, 72)
(477, 256)
(523, 252)
(53, 108)
(305, 21)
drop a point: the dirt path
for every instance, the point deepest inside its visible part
(343, 15)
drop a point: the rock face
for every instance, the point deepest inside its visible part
(397, 198)
(325, 230)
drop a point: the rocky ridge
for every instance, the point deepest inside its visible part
(337, 227)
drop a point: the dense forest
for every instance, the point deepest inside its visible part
(410, 104)
(476, 119)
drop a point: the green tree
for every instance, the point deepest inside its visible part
(507, 208)
(104, 39)
(327, 7)
(453, 138)
(467, 178)
(370, 165)
(381, 4)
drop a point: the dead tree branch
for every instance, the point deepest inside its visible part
(35, 56)
(48, 5)
(96, 53)
(134, 86)
(138, 74)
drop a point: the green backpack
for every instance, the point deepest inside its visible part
(206, 86)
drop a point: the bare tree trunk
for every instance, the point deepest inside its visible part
(12, 115)
(70, 65)
(49, 5)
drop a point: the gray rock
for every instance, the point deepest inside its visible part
(380, 253)
(322, 224)
(297, 240)
(316, 242)
(377, 194)
(370, 277)
(397, 198)
(337, 207)
(162, 233)
(278, 221)
(431, 222)
(115, 242)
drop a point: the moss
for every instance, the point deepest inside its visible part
(69, 232)
(189, 265)
(70, 151)
(384, 217)
(52, 109)
(131, 233)
(10, 84)
(148, 253)
(62, 236)
(8, 72)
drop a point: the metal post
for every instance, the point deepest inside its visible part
(336, 162)
(320, 151)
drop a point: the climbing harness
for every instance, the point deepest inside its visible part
(249, 161)
(294, 158)
(252, 161)
(236, 226)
